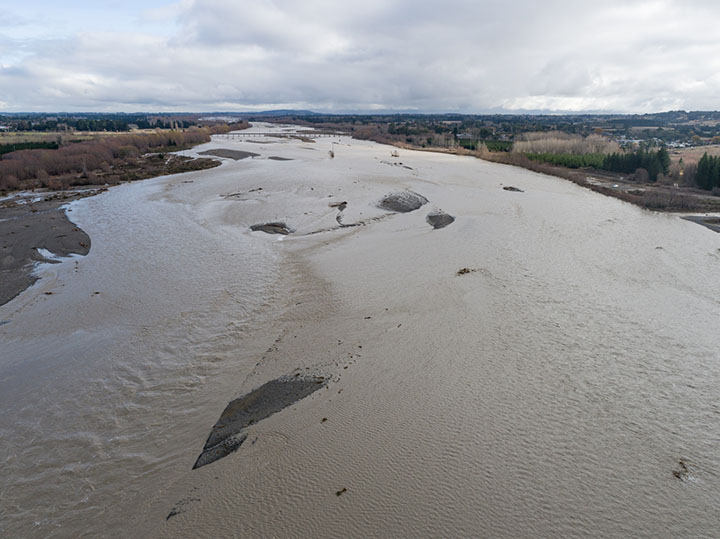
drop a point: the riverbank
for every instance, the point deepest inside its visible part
(35, 222)
(461, 135)
(106, 160)
(651, 196)
(35, 228)
(33, 225)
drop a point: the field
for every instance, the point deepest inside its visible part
(694, 153)
(11, 137)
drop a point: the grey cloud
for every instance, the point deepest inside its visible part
(456, 56)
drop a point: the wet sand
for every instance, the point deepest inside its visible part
(472, 387)
(711, 222)
(236, 155)
(27, 227)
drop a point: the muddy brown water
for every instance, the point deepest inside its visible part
(566, 386)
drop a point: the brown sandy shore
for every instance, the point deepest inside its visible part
(651, 196)
(32, 222)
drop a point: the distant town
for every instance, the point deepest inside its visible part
(674, 129)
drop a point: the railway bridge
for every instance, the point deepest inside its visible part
(295, 134)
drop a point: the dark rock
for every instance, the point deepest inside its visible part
(229, 154)
(438, 219)
(403, 202)
(220, 449)
(683, 472)
(229, 432)
(511, 188)
(180, 507)
(272, 228)
(339, 205)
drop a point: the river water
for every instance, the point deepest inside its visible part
(96, 380)
(550, 391)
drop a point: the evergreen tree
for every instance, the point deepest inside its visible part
(704, 171)
(714, 172)
(664, 160)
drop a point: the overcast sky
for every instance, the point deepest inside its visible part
(406, 55)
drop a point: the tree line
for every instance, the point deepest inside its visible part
(655, 163)
(110, 123)
(16, 146)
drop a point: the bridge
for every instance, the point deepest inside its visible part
(281, 134)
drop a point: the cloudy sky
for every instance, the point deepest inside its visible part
(406, 55)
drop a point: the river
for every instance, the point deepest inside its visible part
(566, 385)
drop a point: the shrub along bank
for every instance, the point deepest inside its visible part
(110, 159)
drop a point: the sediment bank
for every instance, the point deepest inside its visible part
(36, 229)
(655, 197)
(35, 220)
